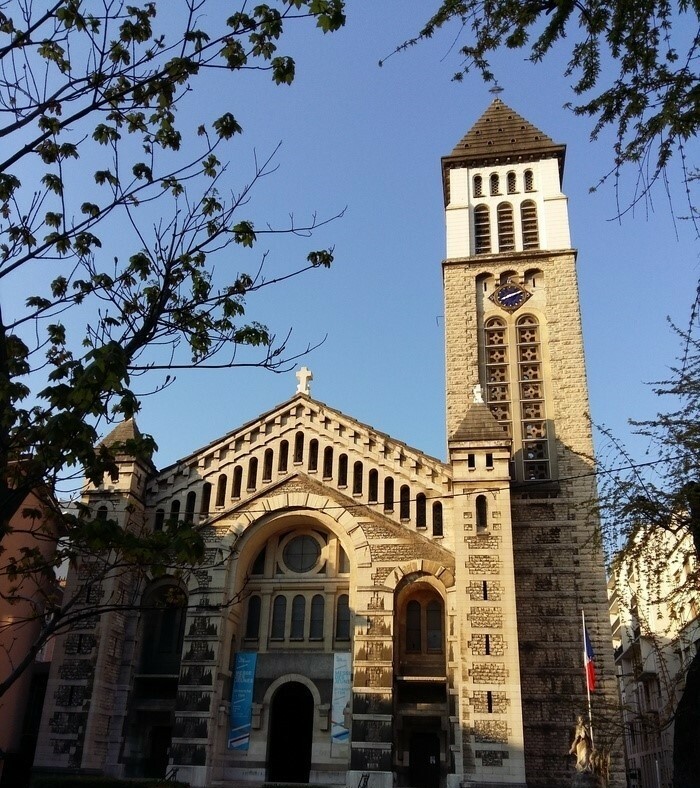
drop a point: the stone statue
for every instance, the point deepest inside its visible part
(592, 766)
(582, 747)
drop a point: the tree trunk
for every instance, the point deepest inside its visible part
(686, 752)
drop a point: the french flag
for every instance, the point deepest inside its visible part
(588, 661)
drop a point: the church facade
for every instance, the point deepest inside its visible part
(367, 614)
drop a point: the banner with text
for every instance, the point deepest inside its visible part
(242, 700)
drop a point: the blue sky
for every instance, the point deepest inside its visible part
(371, 138)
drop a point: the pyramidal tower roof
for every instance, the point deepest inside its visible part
(501, 136)
(479, 424)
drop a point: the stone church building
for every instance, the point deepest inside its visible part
(396, 619)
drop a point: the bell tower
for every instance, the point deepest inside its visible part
(513, 331)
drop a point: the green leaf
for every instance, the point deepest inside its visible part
(226, 126)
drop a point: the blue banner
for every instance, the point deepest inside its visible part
(242, 700)
(342, 685)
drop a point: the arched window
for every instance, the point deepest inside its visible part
(237, 482)
(357, 472)
(512, 183)
(102, 513)
(174, 510)
(299, 447)
(160, 520)
(528, 220)
(437, 519)
(252, 624)
(497, 371)
(413, 627)
(163, 629)
(190, 503)
(298, 614)
(313, 455)
(252, 473)
(405, 502)
(494, 186)
(433, 626)
(478, 186)
(221, 490)
(481, 513)
(373, 486)
(388, 494)
(279, 614)
(342, 618)
(420, 511)
(343, 470)
(268, 460)
(317, 613)
(284, 454)
(206, 499)
(506, 231)
(532, 402)
(482, 230)
(529, 181)
(328, 462)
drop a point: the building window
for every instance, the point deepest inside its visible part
(342, 618)
(252, 473)
(190, 503)
(299, 448)
(221, 490)
(279, 614)
(313, 456)
(237, 482)
(506, 230)
(357, 472)
(497, 374)
(206, 499)
(512, 183)
(420, 511)
(163, 629)
(258, 567)
(478, 186)
(317, 613)
(343, 470)
(481, 513)
(268, 460)
(405, 502)
(532, 404)
(482, 230)
(301, 553)
(494, 186)
(174, 510)
(529, 181)
(437, 519)
(283, 458)
(388, 494)
(252, 624)
(528, 221)
(160, 520)
(433, 626)
(328, 462)
(413, 627)
(102, 513)
(298, 615)
(373, 486)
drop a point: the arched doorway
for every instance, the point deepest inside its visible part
(291, 733)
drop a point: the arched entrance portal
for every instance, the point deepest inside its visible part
(291, 730)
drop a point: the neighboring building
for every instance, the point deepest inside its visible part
(21, 608)
(655, 618)
(404, 620)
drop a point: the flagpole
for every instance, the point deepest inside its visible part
(585, 670)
